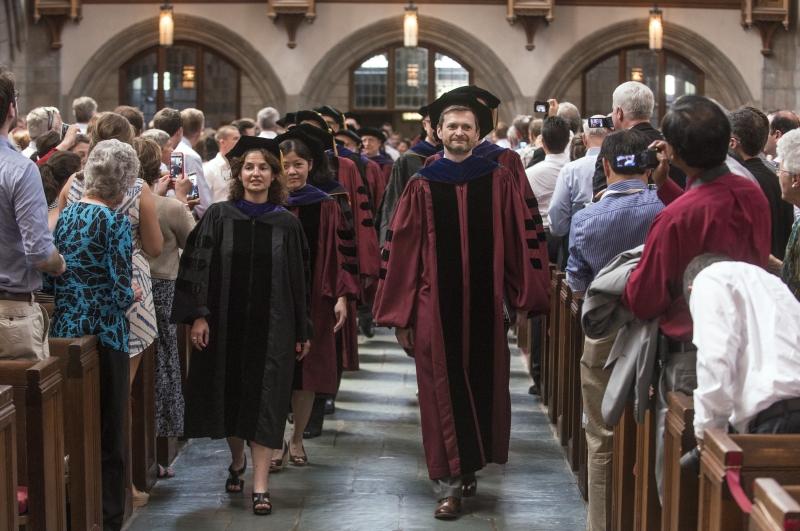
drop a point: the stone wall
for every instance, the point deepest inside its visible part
(781, 75)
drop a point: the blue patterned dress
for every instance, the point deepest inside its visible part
(91, 297)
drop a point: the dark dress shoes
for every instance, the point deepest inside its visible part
(448, 509)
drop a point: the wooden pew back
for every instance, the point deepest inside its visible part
(775, 508)
(80, 368)
(749, 457)
(8, 459)
(680, 486)
(40, 439)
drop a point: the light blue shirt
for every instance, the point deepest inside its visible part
(573, 191)
(25, 239)
(618, 222)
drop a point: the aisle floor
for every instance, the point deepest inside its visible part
(367, 471)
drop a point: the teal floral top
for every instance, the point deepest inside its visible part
(790, 273)
(93, 293)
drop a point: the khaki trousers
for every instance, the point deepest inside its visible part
(599, 437)
(23, 331)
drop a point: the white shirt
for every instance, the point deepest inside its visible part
(30, 150)
(82, 127)
(543, 177)
(573, 191)
(746, 328)
(194, 164)
(392, 152)
(218, 175)
(267, 134)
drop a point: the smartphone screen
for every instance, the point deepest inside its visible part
(195, 193)
(175, 165)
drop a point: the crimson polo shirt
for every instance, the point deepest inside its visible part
(728, 215)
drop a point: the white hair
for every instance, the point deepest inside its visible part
(112, 168)
(570, 113)
(267, 118)
(39, 119)
(635, 99)
(84, 108)
(789, 151)
(158, 136)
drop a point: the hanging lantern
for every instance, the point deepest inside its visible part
(166, 25)
(656, 29)
(410, 26)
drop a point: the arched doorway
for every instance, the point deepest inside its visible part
(390, 84)
(668, 74)
(186, 74)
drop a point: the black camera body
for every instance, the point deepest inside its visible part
(604, 122)
(636, 162)
(541, 107)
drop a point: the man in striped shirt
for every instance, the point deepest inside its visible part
(619, 221)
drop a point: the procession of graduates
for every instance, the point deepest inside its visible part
(272, 280)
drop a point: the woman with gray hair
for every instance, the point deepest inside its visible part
(789, 177)
(95, 292)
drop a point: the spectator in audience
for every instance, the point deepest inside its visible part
(789, 175)
(26, 241)
(193, 122)
(20, 138)
(720, 212)
(246, 126)
(217, 171)
(617, 222)
(573, 188)
(782, 122)
(56, 172)
(267, 119)
(134, 116)
(41, 120)
(403, 145)
(543, 176)
(96, 240)
(176, 222)
(529, 153)
(247, 329)
(164, 141)
(570, 114)
(521, 125)
(83, 108)
(749, 131)
(206, 145)
(45, 144)
(748, 348)
(81, 148)
(500, 135)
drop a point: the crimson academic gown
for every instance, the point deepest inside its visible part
(334, 274)
(379, 179)
(460, 242)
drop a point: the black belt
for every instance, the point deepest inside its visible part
(680, 346)
(778, 409)
(22, 297)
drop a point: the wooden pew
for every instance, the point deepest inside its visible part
(729, 465)
(143, 430)
(40, 440)
(647, 514)
(575, 431)
(554, 333)
(775, 508)
(680, 486)
(623, 479)
(562, 365)
(80, 369)
(8, 460)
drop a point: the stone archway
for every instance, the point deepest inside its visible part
(488, 68)
(142, 35)
(730, 87)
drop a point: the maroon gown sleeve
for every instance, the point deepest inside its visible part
(526, 274)
(401, 260)
(366, 237)
(335, 258)
(373, 176)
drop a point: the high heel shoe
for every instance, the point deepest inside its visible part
(276, 465)
(298, 460)
(261, 503)
(234, 484)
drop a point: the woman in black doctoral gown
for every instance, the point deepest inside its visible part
(242, 288)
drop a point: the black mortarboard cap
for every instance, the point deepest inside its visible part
(314, 138)
(288, 119)
(350, 134)
(380, 134)
(250, 143)
(327, 110)
(423, 111)
(310, 116)
(448, 99)
(489, 99)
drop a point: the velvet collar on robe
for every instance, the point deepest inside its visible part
(255, 210)
(424, 148)
(446, 171)
(330, 187)
(307, 195)
(485, 149)
(342, 151)
(383, 159)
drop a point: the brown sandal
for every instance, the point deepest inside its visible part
(298, 460)
(276, 465)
